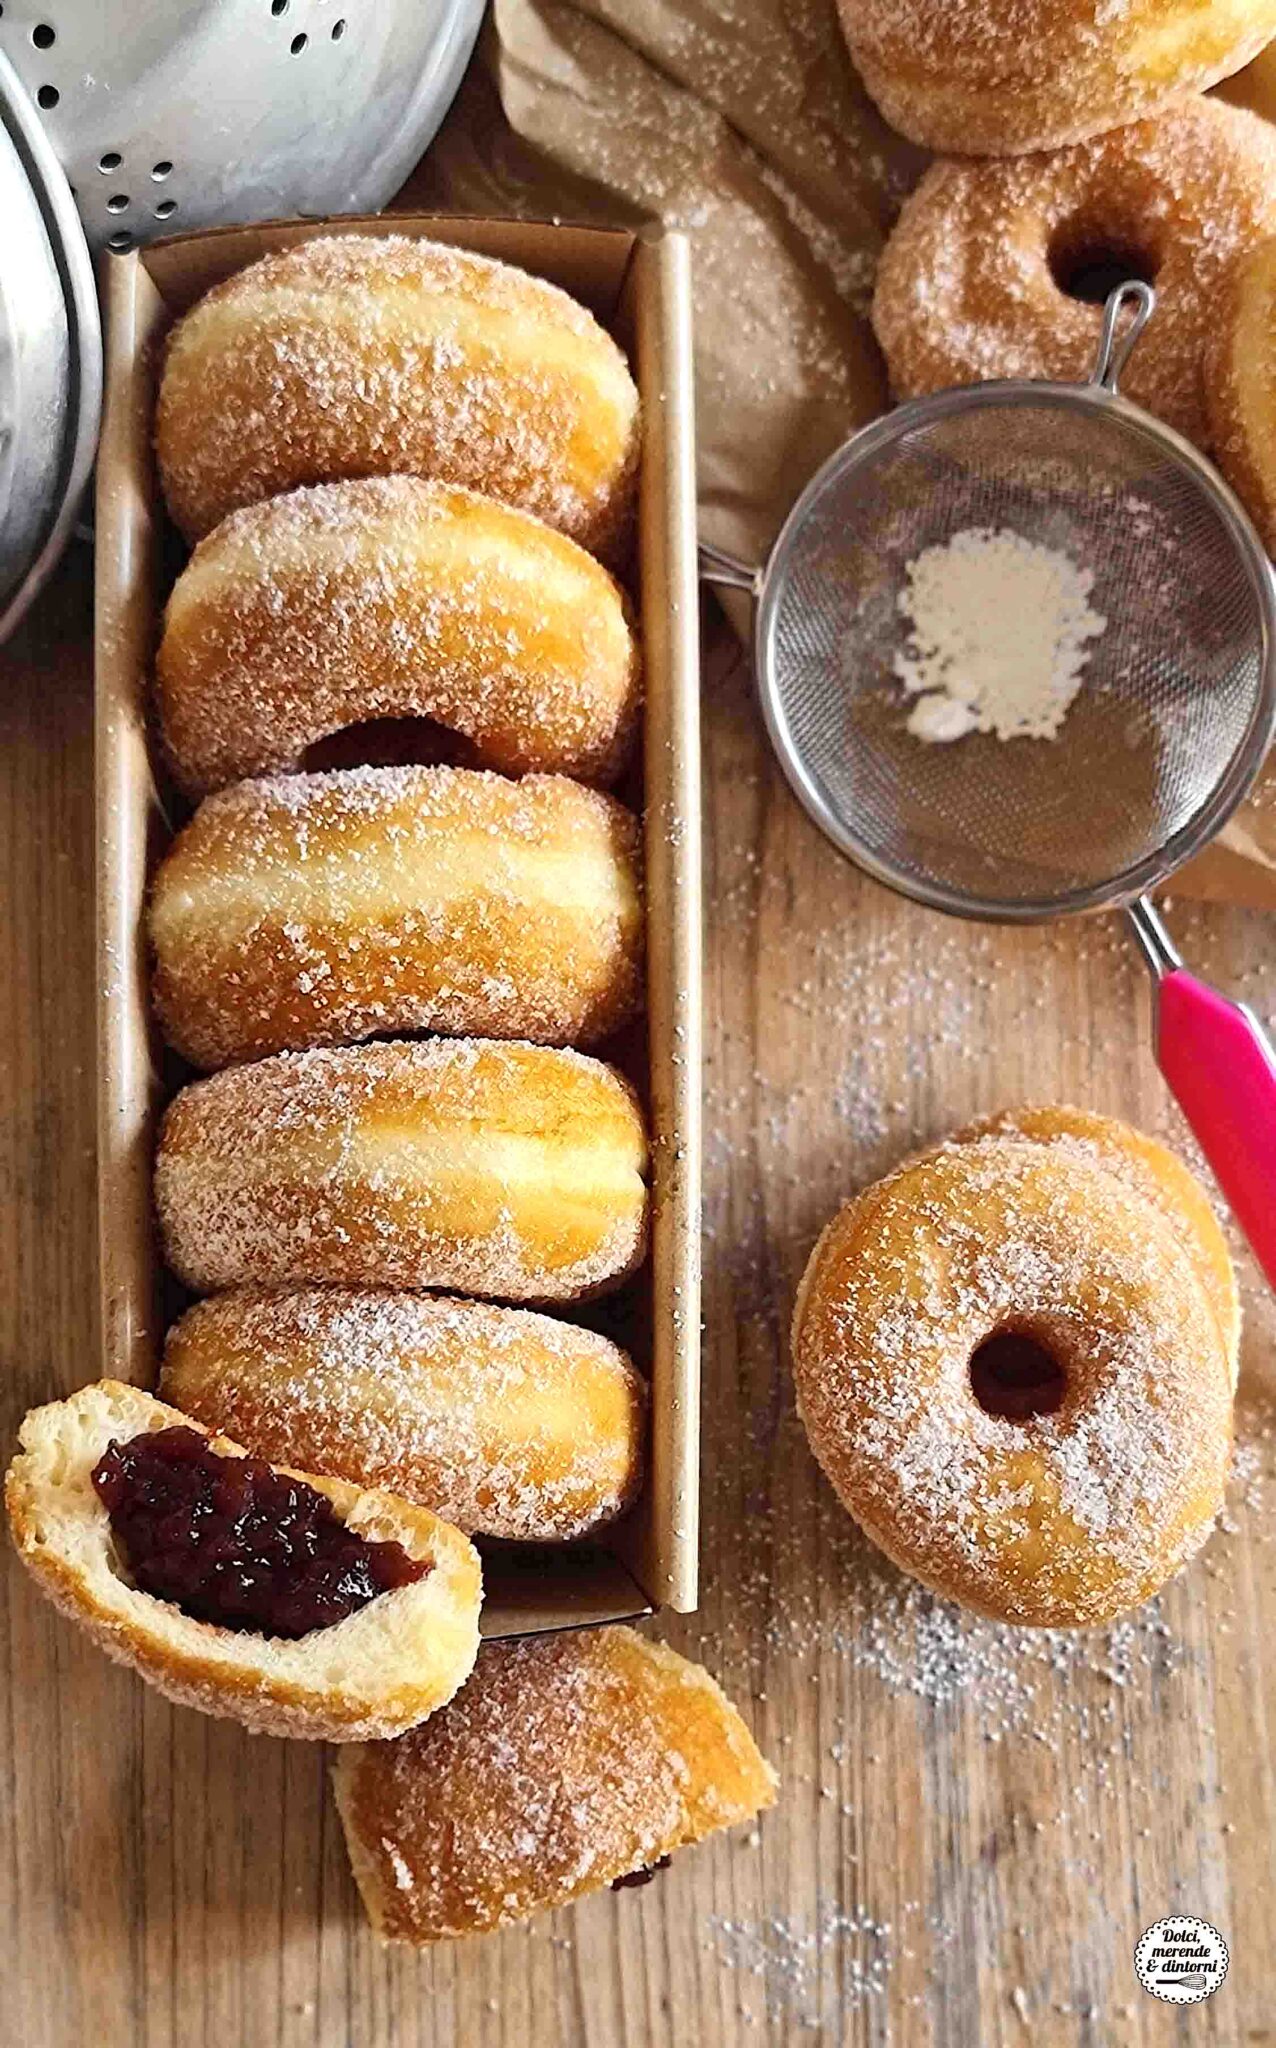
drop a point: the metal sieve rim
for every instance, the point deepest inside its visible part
(1232, 788)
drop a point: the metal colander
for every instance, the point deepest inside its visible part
(169, 115)
(1178, 697)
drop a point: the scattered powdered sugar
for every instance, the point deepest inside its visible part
(789, 1952)
(1000, 626)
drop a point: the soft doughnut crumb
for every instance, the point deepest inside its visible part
(375, 1673)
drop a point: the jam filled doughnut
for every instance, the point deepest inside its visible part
(317, 909)
(1151, 1171)
(297, 1605)
(981, 275)
(1240, 386)
(568, 1763)
(1013, 1376)
(505, 1423)
(359, 356)
(987, 78)
(507, 1170)
(393, 598)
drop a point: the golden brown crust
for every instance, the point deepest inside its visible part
(355, 355)
(567, 1761)
(506, 1423)
(966, 290)
(393, 598)
(375, 1674)
(1240, 386)
(319, 909)
(515, 1171)
(1069, 1518)
(1149, 1170)
(997, 77)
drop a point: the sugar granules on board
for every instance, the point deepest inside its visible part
(1000, 636)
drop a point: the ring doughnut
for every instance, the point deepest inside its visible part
(569, 1762)
(505, 1423)
(969, 286)
(1150, 1170)
(317, 909)
(386, 1663)
(507, 1170)
(393, 598)
(356, 355)
(1240, 386)
(979, 78)
(1059, 1496)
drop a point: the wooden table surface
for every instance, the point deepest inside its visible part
(974, 1825)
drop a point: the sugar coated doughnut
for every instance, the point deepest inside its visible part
(355, 355)
(317, 909)
(393, 598)
(1240, 386)
(504, 1422)
(510, 1170)
(568, 1763)
(995, 77)
(973, 280)
(1150, 1170)
(187, 1509)
(1011, 1372)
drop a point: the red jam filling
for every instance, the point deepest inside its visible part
(637, 1877)
(232, 1541)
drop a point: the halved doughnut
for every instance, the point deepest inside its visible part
(376, 1672)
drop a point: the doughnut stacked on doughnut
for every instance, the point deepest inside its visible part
(1014, 1360)
(997, 77)
(392, 456)
(979, 278)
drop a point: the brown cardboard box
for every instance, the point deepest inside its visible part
(639, 288)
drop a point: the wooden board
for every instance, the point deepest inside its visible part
(972, 1832)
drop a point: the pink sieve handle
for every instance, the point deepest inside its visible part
(1221, 1068)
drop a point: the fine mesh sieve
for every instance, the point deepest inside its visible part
(1170, 726)
(1179, 692)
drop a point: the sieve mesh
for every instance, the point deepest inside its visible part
(1175, 710)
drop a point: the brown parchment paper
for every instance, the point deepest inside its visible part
(743, 122)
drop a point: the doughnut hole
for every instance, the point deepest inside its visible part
(390, 743)
(1088, 261)
(1015, 1375)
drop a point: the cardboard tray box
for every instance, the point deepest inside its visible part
(639, 288)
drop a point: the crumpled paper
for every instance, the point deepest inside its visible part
(743, 122)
